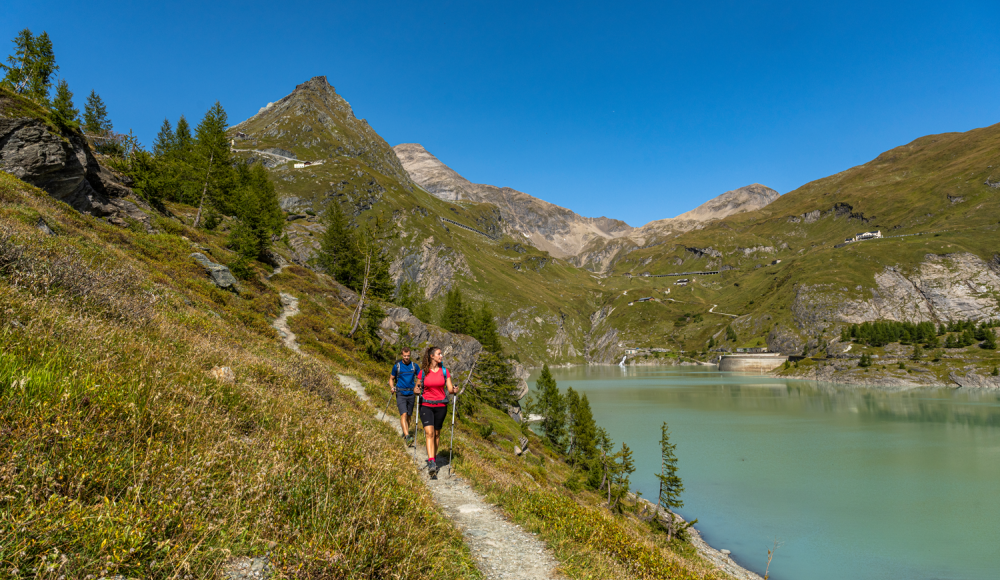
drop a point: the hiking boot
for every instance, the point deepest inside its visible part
(432, 469)
(409, 441)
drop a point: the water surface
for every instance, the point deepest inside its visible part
(852, 482)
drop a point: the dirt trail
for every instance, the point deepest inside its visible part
(291, 308)
(502, 549)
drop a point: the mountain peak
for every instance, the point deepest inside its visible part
(316, 123)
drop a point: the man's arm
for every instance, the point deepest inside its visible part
(392, 379)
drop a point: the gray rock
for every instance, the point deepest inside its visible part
(972, 380)
(44, 227)
(459, 350)
(219, 274)
(64, 167)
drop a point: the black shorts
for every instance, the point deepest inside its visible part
(433, 416)
(405, 403)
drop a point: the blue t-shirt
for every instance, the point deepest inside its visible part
(405, 376)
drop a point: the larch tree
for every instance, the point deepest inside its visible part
(552, 406)
(671, 485)
(30, 69)
(62, 105)
(95, 115)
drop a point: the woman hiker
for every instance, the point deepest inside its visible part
(434, 408)
(402, 381)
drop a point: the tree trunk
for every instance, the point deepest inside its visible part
(356, 317)
(204, 190)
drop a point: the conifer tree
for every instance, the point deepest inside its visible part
(671, 485)
(582, 429)
(990, 341)
(337, 253)
(62, 105)
(619, 468)
(453, 318)
(182, 136)
(258, 215)
(552, 406)
(29, 70)
(166, 140)
(485, 329)
(95, 116)
(212, 163)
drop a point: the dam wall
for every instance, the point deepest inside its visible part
(751, 363)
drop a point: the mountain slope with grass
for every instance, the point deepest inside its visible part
(154, 424)
(793, 282)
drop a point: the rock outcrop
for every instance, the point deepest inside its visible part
(63, 166)
(459, 350)
(217, 273)
(941, 288)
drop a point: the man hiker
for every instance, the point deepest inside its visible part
(434, 379)
(402, 381)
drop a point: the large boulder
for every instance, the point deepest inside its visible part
(219, 274)
(63, 166)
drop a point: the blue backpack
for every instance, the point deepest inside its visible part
(398, 371)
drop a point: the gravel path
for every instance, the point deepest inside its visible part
(502, 549)
(291, 308)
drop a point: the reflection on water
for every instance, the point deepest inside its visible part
(893, 484)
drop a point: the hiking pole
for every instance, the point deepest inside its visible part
(385, 410)
(454, 408)
(416, 418)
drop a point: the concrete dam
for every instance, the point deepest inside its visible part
(751, 362)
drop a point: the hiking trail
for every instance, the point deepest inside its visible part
(291, 308)
(502, 550)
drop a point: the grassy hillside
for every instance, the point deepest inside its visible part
(154, 426)
(941, 187)
(124, 448)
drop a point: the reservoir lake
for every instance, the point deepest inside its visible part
(853, 482)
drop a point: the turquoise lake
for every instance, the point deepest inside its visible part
(852, 482)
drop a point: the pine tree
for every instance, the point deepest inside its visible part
(990, 342)
(618, 483)
(730, 334)
(486, 330)
(453, 318)
(95, 116)
(62, 105)
(552, 406)
(258, 216)
(582, 429)
(918, 352)
(182, 136)
(29, 70)
(670, 483)
(211, 162)
(337, 253)
(166, 141)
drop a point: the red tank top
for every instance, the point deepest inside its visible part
(434, 387)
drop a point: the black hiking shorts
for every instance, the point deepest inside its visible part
(433, 416)
(405, 403)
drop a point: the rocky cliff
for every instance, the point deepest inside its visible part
(61, 163)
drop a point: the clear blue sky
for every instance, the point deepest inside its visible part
(633, 110)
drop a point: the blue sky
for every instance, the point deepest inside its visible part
(636, 111)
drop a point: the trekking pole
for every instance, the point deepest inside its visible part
(385, 410)
(416, 419)
(454, 408)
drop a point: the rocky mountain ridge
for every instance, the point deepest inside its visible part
(557, 230)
